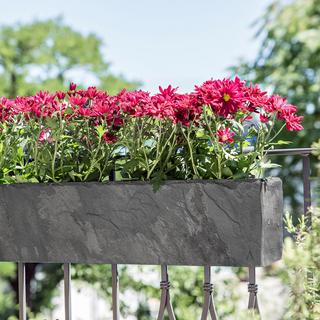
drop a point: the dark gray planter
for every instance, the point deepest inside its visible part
(230, 223)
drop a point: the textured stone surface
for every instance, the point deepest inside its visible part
(230, 223)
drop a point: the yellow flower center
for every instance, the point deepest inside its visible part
(226, 97)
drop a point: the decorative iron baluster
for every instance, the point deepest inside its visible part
(253, 290)
(115, 292)
(67, 290)
(208, 305)
(22, 291)
(165, 302)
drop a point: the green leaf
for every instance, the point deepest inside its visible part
(269, 165)
(227, 172)
(68, 111)
(100, 131)
(200, 133)
(52, 123)
(158, 179)
(281, 142)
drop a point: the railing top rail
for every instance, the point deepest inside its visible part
(291, 151)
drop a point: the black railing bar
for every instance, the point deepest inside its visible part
(291, 151)
(67, 290)
(22, 291)
(306, 171)
(114, 271)
(280, 152)
(115, 292)
(306, 188)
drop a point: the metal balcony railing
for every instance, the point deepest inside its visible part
(165, 303)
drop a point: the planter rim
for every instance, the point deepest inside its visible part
(144, 182)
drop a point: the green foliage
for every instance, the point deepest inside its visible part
(186, 289)
(302, 268)
(186, 293)
(7, 304)
(288, 63)
(68, 156)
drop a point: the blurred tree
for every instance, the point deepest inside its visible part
(316, 147)
(288, 62)
(49, 54)
(186, 293)
(301, 271)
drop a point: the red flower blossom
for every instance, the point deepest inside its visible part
(168, 92)
(224, 96)
(274, 103)
(6, 108)
(109, 138)
(285, 110)
(45, 135)
(72, 86)
(225, 135)
(293, 122)
(133, 103)
(254, 97)
(264, 118)
(61, 95)
(77, 101)
(186, 109)
(44, 98)
(228, 99)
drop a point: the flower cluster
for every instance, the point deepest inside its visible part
(78, 134)
(227, 99)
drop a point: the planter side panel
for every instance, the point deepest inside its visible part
(185, 223)
(272, 222)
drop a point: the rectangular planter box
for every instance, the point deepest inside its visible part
(222, 222)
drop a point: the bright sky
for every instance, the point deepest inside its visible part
(182, 42)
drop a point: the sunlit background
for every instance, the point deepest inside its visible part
(157, 42)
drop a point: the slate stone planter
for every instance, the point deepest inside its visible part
(230, 223)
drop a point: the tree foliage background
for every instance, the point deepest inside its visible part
(47, 55)
(288, 63)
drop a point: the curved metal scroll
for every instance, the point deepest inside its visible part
(253, 290)
(208, 305)
(165, 302)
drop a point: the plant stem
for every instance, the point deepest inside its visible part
(160, 153)
(194, 167)
(214, 143)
